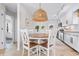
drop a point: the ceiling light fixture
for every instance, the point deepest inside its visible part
(40, 15)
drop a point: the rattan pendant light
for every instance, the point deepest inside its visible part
(40, 15)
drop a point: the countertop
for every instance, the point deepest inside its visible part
(71, 31)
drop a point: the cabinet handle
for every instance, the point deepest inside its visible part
(71, 40)
(1, 14)
(1, 42)
(1, 28)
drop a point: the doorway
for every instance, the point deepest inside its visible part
(9, 31)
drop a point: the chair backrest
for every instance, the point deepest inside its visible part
(24, 36)
(45, 45)
(49, 33)
(52, 36)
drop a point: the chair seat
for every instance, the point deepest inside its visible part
(32, 44)
(45, 44)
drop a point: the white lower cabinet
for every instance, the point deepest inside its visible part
(76, 43)
(72, 39)
(67, 38)
(61, 37)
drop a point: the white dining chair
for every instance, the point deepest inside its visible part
(33, 43)
(44, 47)
(52, 40)
(32, 50)
(25, 40)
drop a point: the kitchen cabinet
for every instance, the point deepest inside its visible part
(60, 35)
(75, 7)
(68, 39)
(72, 39)
(76, 42)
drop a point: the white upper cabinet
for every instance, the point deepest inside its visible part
(75, 17)
(75, 6)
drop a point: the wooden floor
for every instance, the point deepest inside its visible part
(60, 49)
(10, 51)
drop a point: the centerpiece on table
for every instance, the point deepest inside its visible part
(38, 27)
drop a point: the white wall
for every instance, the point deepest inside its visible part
(23, 16)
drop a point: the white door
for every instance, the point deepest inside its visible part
(2, 36)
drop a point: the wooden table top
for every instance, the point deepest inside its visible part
(39, 35)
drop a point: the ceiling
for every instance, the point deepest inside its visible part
(11, 7)
(51, 8)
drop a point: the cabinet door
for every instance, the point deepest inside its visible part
(76, 44)
(1, 30)
(66, 38)
(75, 41)
(69, 39)
(61, 36)
(75, 18)
(72, 38)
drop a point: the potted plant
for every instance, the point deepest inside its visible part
(42, 27)
(37, 28)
